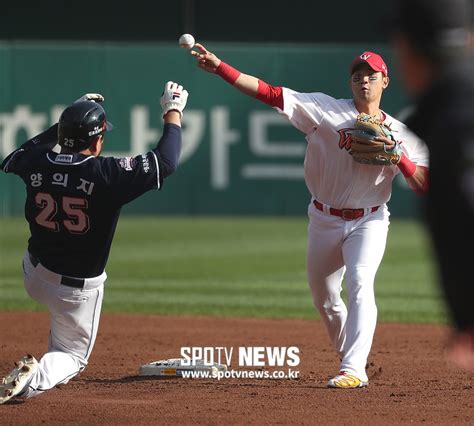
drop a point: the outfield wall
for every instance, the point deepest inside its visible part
(239, 156)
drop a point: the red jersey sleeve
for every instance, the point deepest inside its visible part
(271, 95)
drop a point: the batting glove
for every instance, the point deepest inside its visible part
(174, 98)
(96, 97)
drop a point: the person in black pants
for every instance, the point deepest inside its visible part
(436, 65)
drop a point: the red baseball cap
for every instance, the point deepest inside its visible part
(374, 61)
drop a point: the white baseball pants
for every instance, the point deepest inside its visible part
(354, 249)
(74, 317)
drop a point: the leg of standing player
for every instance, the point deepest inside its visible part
(325, 273)
(74, 323)
(355, 248)
(363, 251)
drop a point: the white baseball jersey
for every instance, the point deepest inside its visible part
(331, 175)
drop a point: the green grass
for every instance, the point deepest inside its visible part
(231, 266)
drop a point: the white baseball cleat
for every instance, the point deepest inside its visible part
(15, 382)
(344, 380)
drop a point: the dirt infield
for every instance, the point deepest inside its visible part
(410, 381)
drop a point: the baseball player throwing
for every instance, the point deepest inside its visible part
(348, 215)
(73, 202)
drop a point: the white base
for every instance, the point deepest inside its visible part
(174, 367)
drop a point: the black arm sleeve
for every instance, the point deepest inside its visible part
(47, 138)
(169, 148)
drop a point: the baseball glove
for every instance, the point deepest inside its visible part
(365, 149)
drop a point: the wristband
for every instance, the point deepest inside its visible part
(228, 73)
(406, 166)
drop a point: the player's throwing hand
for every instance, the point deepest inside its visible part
(206, 60)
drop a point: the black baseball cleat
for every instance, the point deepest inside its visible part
(16, 381)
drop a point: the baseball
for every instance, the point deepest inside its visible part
(186, 41)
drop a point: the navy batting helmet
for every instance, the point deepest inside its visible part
(80, 123)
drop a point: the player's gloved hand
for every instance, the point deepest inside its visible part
(96, 97)
(174, 98)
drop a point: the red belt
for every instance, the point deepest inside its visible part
(346, 214)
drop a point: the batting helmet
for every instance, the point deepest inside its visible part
(80, 123)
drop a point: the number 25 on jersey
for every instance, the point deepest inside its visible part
(77, 221)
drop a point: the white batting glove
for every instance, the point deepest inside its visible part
(174, 98)
(96, 97)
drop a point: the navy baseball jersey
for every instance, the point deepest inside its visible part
(73, 200)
